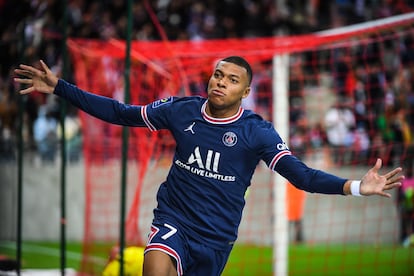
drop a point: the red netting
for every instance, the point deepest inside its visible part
(161, 69)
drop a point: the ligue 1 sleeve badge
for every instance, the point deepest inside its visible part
(161, 102)
(229, 139)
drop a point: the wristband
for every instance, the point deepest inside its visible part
(355, 186)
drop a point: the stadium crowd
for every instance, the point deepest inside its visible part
(32, 29)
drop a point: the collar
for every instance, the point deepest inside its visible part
(220, 121)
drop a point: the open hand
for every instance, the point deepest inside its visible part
(38, 80)
(375, 184)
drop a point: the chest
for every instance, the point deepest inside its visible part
(197, 139)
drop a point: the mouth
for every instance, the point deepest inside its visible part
(216, 92)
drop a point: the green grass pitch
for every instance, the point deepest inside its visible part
(253, 260)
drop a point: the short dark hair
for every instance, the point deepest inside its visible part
(243, 63)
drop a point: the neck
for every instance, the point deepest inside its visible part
(221, 112)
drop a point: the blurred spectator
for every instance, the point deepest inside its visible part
(295, 209)
(260, 95)
(317, 135)
(360, 99)
(45, 135)
(406, 199)
(340, 124)
(7, 145)
(341, 71)
(376, 82)
(254, 22)
(402, 133)
(8, 108)
(375, 88)
(8, 115)
(299, 141)
(361, 145)
(406, 207)
(73, 136)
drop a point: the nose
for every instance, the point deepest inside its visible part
(220, 82)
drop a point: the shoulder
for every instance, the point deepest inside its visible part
(256, 122)
(262, 136)
(196, 100)
(168, 111)
(173, 100)
(174, 103)
(258, 128)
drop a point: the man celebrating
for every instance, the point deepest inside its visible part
(219, 144)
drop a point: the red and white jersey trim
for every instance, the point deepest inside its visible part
(220, 121)
(277, 157)
(144, 116)
(164, 248)
(168, 250)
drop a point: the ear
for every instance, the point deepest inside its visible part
(246, 92)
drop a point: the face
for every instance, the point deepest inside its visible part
(226, 88)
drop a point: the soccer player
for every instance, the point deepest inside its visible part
(218, 145)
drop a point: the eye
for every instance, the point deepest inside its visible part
(234, 81)
(217, 75)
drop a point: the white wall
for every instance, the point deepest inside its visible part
(41, 201)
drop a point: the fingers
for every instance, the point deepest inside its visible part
(30, 71)
(27, 90)
(24, 73)
(392, 186)
(28, 74)
(392, 180)
(45, 67)
(23, 81)
(377, 165)
(390, 175)
(385, 194)
(393, 173)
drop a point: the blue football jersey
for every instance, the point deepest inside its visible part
(213, 163)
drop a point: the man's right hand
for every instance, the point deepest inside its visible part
(38, 80)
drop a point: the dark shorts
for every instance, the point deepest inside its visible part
(191, 257)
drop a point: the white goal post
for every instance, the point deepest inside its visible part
(281, 120)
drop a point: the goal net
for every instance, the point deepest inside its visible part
(364, 69)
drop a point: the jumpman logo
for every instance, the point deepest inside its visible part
(190, 128)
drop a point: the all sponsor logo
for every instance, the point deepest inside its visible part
(205, 166)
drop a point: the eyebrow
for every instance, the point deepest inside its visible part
(231, 75)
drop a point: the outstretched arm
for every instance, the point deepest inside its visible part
(317, 181)
(375, 184)
(38, 80)
(104, 108)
